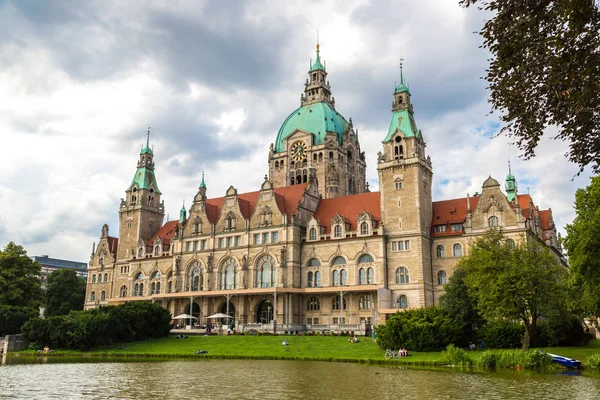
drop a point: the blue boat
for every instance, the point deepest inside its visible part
(565, 362)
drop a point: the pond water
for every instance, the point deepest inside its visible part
(89, 378)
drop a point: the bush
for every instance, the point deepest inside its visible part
(533, 359)
(456, 356)
(593, 362)
(488, 359)
(88, 329)
(12, 318)
(423, 329)
(503, 334)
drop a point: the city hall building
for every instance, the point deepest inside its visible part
(312, 248)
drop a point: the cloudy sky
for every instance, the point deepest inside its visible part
(81, 81)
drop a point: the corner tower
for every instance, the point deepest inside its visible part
(316, 135)
(141, 212)
(405, 174)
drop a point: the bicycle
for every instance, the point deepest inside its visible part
(389, 354)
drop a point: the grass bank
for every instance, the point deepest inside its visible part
(313, 348)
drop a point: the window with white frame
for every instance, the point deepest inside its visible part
(238, 241)
(312, 235)
(221, 243)
(265, 237)
(364, 228)
(275, 237)
(457, 250)
(439, 228)
(440, 250)
(365, 302)
(402, 275)
(493, 221)
(401, 245)
(257, 238)
(337, 231)
(441, 275)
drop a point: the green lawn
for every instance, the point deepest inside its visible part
(327, 348)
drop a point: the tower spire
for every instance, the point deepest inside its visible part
(148, 138)
(401, 76)
(202, 184)
(317, 64)
(511, 185)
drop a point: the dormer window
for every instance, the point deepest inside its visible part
(337, 231)
(312, 234)
(230, 221)
(493, 221)
(156, 250)
(364, 228)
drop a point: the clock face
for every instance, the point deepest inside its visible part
(298, 151)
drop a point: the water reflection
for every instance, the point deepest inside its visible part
(62, 378)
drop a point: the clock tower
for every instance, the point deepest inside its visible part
(316, 135)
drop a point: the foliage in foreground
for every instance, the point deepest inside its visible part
(533, 359)
(423, 329)
(12, 318)
(65, 291)
(456, 356)
(583, 246)
(20, 283)
(83, 330)
(522, 283)
(545, 71)
(593, 362)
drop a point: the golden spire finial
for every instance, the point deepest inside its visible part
(317, 41)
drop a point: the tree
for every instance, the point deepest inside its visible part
(20, 283)
(583, 248)
(522, 283)
(545, 71)
(459, 302)
(65, 291)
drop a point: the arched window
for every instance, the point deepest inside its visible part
(106, 277)
(335, 304)
(339, 261)
(155, 275)
(140, 252)
(317, 279)
(94, 278)
(510, 243)
(310, 279)
(123, 291)
(402, 301)
(337, 231)
(441, 277)
(364, 228)
(336, 278)
(402, 275)
(265, 272)
(103, 295)
(99, 278)
(440, 250)
(493, 221)
(313, 304)
(343, 277)
(156, 250)
(365, 258)
(313, 262)
(457, 250)
(313, 234)
(138, 289)
(370, 276)
(93, 296)
(229, 274)
(194, 281)
(362, 276)
(365, 302)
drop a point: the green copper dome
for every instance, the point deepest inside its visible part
(144, 179)
(401, 88)
(316, 118)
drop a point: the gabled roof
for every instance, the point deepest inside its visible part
(452, 211)
(349, 207)
(545, 219)
(113, 244)
(286, 197)
(166, 233)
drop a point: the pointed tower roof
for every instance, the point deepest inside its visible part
(144, 175)
(401, 87)
(511, 185)
(317, 64)
(202, 184)
(182, 213)
(147, 149)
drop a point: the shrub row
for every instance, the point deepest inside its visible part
(83, 330)
(533, 359)
(12, 318)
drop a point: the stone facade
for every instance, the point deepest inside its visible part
(313, 248)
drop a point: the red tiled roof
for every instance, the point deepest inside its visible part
(349, 207)
(166, 233)
(524, 200)
(545, 219)
(453, 211)
(113, 243)
(286, 197)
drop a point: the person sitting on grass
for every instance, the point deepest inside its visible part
(353, 339)
(402, 352)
